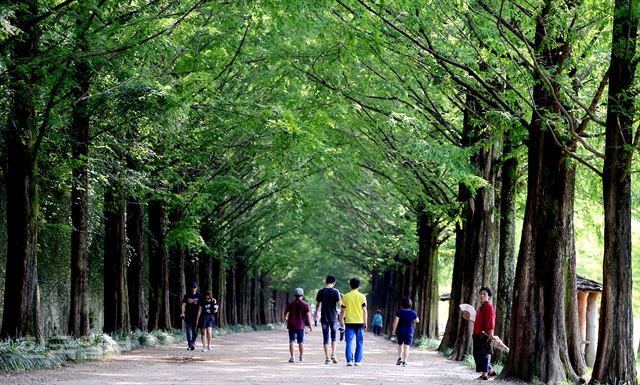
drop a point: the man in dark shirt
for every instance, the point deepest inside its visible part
(190, 313)
(296, 314)
(327, 301)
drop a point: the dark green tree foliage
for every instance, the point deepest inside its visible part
(290, 140)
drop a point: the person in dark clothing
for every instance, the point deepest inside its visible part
(191, 313)
(328, 301)
(296, 315)
(209, 307)
(403, 327)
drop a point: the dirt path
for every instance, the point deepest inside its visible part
(256, 358)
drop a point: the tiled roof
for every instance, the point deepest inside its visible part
(584, 284)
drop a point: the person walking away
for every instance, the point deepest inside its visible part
(314, 316)
(483, 334)
(327, 301)
(377, 323)
(190, 313)
(354, 308)
(208, 319)
(404, 324)
(296, 314)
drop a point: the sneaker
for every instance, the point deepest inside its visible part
(492, 373)
(203, 350)
(358, 363)
(209, 348)
(301, 358)
(404, 364)
(399, 361)
(327, 361)
(292, 360)
(193, 347)
(333, 359)
(349, 364)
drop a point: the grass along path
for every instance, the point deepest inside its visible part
(256, 358)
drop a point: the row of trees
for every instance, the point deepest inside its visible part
(549, 85)
(133, 131)
(155, 143)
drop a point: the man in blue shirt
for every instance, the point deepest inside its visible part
(404, 323)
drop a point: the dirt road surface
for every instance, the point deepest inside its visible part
(257, 358)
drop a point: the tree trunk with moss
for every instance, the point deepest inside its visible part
(21, 294)
(615, 362)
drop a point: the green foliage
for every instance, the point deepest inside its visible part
(27, 355)
(426, 343)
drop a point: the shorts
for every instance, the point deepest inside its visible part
(208, 321)
(406, 339)
(329, 329)
(296, 334)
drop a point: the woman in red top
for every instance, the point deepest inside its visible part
(483, 334)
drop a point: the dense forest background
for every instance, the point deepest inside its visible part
(257, 146)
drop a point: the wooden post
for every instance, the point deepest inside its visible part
(582, 316)
(592, 329)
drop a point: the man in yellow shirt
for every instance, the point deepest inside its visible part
(354, 308)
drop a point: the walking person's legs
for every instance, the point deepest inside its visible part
(359, 345)
(405, 353)
(300, 338)
(292, 340)
(348, 337)
(209, 334)
(190, 326)
(334, 329)
(325, 340)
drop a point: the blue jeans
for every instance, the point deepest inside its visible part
(329, 331)
(349, 334)
(190, 325)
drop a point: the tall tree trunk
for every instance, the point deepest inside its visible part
(477, 249)
(507, 260)
(454, 320)
(205, 272)
(116, 308)
(218, 289)
(615, 361)
(21, 294)
(135, 272)
(79, 303)
(426, 279)
(231, 296)
(159, 314)
(545, 335)
(178, 284)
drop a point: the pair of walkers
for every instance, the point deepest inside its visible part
(352, 319)
(198, 311)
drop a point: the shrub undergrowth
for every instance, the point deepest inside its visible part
(26, 354)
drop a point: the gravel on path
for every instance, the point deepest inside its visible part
(257, 358)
